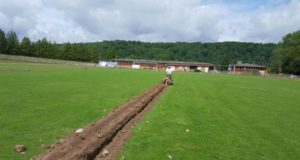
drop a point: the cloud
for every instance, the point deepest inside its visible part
(151, 20)
(4, 21)
(52, 24)
(148, 20)
(19, 15)
(271, 25)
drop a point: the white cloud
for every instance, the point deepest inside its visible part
(19, 16)
(266, 25)
(52, 25)
(149, 20)
(4, 21)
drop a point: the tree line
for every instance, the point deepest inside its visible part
(10, 44)
(286, 56)
(219, 53)
(282, 57)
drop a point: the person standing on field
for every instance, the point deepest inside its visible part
(169, 72)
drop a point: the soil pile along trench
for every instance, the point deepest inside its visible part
(106, 138)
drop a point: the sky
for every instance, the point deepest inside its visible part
(61, 21)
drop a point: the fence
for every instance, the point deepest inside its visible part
(261, 75)
(44, 60)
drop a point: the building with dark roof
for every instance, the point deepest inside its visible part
(161, 65)
(133, 63)
(247, 68)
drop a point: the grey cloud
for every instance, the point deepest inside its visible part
(147, 20)
(162, 20)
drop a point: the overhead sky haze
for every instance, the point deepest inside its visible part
(151, 20)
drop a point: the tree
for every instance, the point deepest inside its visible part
(163, 56)
(3, 42)
(48, 49)
(82, 53)
(12, 43)
(226, 61)
(26, 47)
(110, 54)
(94, 54)
(44, 48)
(219, 53)
(287, 54)
(67, 51)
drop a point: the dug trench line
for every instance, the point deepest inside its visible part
(104, 139)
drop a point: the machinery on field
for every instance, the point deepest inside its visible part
(168, 80)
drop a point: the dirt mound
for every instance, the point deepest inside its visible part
(105, 138)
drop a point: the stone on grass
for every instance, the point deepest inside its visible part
(20, 148)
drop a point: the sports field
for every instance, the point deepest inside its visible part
(202, 116)
(41, 103)
(223, 117)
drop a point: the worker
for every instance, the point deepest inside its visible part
(169, 72)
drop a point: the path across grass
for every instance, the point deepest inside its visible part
(41, 103)
(226, 117)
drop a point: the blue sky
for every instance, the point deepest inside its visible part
(152, 20)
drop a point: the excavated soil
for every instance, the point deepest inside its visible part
(104, 139)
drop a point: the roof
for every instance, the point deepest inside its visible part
(166, 62)
(187, 63)
(248, 65)
(136, 60)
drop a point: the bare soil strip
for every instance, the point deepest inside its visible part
(106, 138)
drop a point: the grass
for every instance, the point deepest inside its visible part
(228, 117)
(41, 103)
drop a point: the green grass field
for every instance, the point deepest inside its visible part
(40, 103)
(228, 117)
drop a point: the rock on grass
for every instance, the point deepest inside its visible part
(20, 148)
